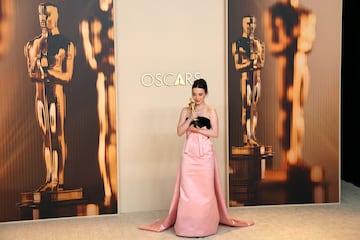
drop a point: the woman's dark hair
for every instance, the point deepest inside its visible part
(200, 83)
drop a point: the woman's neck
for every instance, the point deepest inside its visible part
(200, 107)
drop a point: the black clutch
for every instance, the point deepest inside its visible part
(201, 122)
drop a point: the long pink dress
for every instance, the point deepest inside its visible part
(198, 205)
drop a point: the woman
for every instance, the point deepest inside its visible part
(198, 205)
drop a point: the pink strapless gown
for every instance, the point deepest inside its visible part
(198, 204)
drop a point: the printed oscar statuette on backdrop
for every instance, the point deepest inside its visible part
(45, 53)
(248, 160)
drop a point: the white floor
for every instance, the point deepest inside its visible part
(292, 222)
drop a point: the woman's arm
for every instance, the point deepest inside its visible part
(185, 120)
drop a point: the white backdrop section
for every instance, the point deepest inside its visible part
(163, 36)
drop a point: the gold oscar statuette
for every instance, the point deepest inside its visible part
(192, 106)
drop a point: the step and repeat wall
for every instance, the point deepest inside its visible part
(91, 93)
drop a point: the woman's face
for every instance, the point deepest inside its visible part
(198, 94)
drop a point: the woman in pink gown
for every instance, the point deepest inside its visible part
(198, 205)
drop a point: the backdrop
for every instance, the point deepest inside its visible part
(22, 166)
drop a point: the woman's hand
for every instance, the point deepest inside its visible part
(193, 116)
(194, 129)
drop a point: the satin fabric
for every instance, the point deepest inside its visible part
(198, 205)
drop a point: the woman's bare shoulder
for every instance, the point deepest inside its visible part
(211, 108)
(185, 110)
